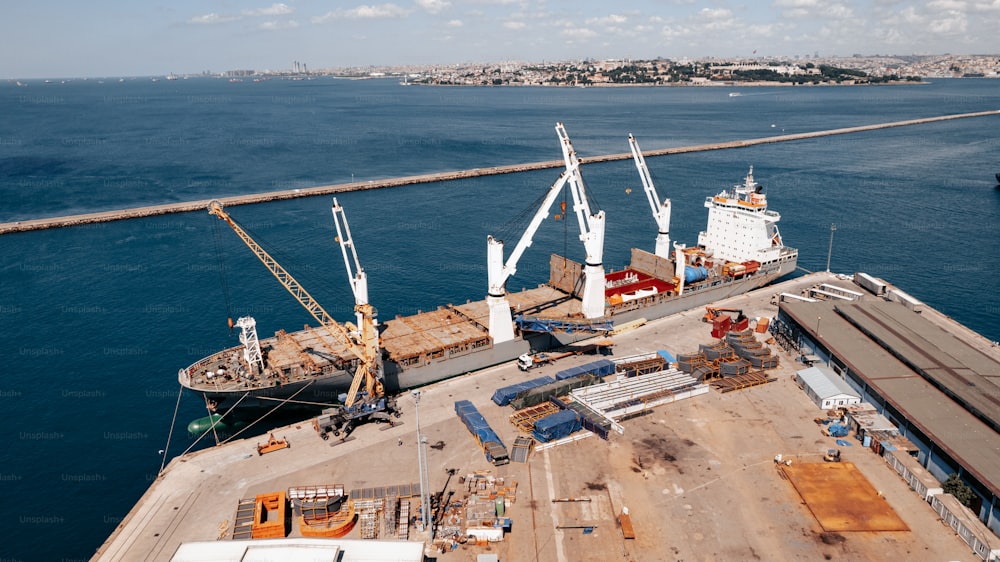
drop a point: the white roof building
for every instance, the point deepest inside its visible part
(826, 388)
(300, 549)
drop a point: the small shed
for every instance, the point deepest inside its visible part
(826, 388)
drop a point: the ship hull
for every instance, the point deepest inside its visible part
(325, 390)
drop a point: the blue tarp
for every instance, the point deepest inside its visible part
(505, 394)
(666, 355)
(556, 426)
(837, 430)
(476, 424)
(843, 443)
(601, 368)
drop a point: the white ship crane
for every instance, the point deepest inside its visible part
(661, 211)
(369, 370)
(498, 271)
(355, 273)
(591, 233)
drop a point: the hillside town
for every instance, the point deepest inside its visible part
(707, 71)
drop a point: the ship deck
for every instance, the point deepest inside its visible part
(456, 328)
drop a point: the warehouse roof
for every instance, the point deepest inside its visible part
(962, 434)
(825, 383)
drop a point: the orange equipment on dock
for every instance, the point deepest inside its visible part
(272, 445)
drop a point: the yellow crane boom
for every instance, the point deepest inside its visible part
(369, 360)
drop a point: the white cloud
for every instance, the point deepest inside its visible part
(949, 24)
(455, 23)
(579, 33)
(514, 24)
(271, 25)
(433, 6)
(381, 11)
(212, 18)
(276, 9)
(607, 20)
(796, 4)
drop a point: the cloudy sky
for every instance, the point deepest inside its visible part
(57, 38)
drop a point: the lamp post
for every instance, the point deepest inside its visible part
(422, 464)
(829, 252)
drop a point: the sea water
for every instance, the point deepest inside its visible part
(98, 319)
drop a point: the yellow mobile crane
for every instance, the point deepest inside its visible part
(359, 406)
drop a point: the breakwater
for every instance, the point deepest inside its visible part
(183, 207)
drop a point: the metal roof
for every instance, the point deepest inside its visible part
(962, 435)
(825, 383)
(304, 549)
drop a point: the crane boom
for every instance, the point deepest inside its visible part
(355, 273)
(591, 232)
(367, 362)
(661, 211)
(497, 282)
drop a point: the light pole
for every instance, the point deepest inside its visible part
(422, 464)
(829, 252)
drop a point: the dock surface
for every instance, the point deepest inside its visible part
(679, 470)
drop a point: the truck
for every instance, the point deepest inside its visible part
(527, 361)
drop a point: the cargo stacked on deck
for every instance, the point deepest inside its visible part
(556, 426)
(503, 395)
(489, 441)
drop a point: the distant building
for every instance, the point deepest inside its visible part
(826, 388)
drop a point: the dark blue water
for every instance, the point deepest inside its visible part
(98, 319)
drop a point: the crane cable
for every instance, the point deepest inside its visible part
(166, 448)
(220, 257)
(268, 413)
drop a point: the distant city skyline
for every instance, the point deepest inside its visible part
(57, 38)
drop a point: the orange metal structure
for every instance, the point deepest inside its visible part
(335, 525)
(269, 516)
(272, 445)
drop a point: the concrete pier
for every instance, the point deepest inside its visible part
(679, 470)
(169, 208)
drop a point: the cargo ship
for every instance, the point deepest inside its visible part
(740, 250)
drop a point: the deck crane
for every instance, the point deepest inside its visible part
(356, 274)
(365, 350)
(498, 271)
(661, 211)
(591, 232)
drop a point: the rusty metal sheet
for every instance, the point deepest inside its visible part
(841, 498)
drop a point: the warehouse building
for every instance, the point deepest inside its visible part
(923, 375)
(826, 389)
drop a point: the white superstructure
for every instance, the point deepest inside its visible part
(741, 228)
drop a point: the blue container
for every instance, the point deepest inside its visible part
(694, 273)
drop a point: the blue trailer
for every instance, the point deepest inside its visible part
(488, 440)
